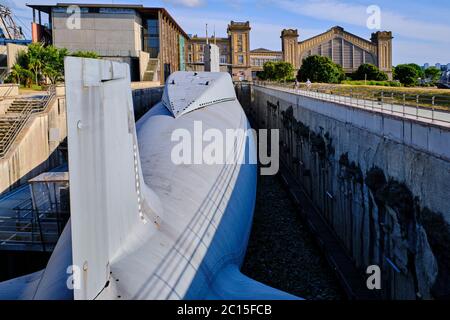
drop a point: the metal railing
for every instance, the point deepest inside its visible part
(7, 93)
(32, 228)
(425, 107)
(20, 120)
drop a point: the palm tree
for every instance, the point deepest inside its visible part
(35, 56)
(17, 72)
(35, 65)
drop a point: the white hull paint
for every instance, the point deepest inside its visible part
(142, 227)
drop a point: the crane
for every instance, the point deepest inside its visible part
(8, 28)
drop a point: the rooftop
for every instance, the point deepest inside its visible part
(264, 50)
(47, 8)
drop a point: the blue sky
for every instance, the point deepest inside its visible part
(421, 28)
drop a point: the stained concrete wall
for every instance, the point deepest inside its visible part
(12, 51)
(144, 98)
(381, 182)
(108, 34)
(35, 148)
(9, 90)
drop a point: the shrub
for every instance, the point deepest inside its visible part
(42, 62)
(408, 74)
(276, 71)
(373, 83)
(370, 72)
(320, 69)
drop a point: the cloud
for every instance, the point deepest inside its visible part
(412, 51)
(344, 12)
(186, 3)
(263, 34)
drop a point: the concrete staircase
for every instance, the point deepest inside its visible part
(16, 116)
(20, 104)
(151, 73)
(5, 125)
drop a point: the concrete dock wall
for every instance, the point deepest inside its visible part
(144, 98)
(380, 181)
(35, 148)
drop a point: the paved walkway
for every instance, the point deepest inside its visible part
(426, 115)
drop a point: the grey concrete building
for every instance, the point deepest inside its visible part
(148, 39)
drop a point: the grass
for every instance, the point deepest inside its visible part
(411, 96)
(422, 97)
(372, 83)
(33, 88)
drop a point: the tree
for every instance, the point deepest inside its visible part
(268, 72)
(320, 69)
(85, 54)
(36, 55)
(23, 59)
(20, 75)
(17, 72)
(43, 62)
(54, 63)
(407, 74)
(283, 71)
(419, 70)
(276, 71)
(368, 71)
(433, 74)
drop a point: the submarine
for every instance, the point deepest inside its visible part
(143, 226)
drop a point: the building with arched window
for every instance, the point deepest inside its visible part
(344, 48)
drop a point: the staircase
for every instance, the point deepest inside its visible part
(17, 115)
(20, 104)
(151, 73)
(5, 125)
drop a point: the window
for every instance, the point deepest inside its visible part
(190, 57)
(151, 38)
(223, 59)
(202, 58)
(153, 27)
(239, 43)
(241, 59)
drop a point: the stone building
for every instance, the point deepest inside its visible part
(234, 51)
(344, 48)
(195, 53)
(260, 56)
(148, 39)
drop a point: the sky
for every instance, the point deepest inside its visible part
(421, 29)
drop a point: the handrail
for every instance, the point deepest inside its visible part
(22, 119)
(428, 108)
(29, 221)
(8, 91)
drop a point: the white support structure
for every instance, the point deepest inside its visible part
(107, 193)
(212, 58)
